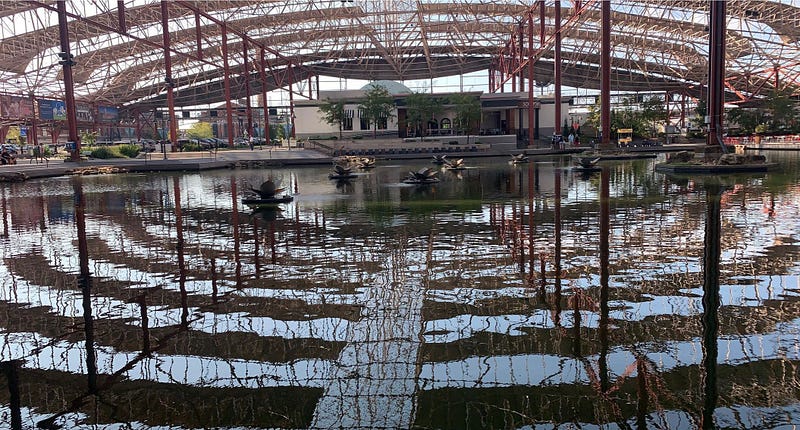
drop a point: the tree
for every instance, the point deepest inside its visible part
(653, 112)
(333, 113)
(467, 112)
(746, 119)
(378, 106)
(421, 108)
(781, 108)
(200, 130)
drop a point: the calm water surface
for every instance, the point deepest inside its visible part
(504, 296)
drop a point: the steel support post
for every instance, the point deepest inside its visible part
(173, 124)
(198, 34)
(123, 26)
(227, 84)
(521, 56)
(262, 71)
(557, 67)
(291, 97)
(34, 125)
(69, 85)
(531, 103)
(716, 75)
(605, 75)
(246, 74)
(542, 27)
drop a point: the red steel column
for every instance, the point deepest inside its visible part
(227, 84)
(69, 85)
(291, 98)
(521, 56)
(34, 125)
(716, 73)
(542, 27)
(557, 67)
(531, 113)
(683, 111)
(605, 72)
(173, 125)
(263, 72)
(248, 106)
(123, 26)
(198, 35)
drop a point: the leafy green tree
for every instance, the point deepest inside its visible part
(378, 105)
(421, 108)
(467, 112)
(88, 138)
(13, 134)
(653, 112)
(200, 130)
(781, 108)
(747, 119)
(333, 113)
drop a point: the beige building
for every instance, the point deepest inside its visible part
(503, 114)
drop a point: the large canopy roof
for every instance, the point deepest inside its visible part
(656, 44)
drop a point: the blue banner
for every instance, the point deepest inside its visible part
(52, 109)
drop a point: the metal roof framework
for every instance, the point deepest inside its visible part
(657, 45)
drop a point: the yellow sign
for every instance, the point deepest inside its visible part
(624, 130)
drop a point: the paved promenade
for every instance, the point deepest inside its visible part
(272, 156)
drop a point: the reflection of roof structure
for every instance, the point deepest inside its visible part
(656, 44)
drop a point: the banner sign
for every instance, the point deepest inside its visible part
(16, 107)
(107, 114)
(84, 112)
(52, 110)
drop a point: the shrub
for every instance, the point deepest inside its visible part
(102, 152)
(128, 150)
(189, 147)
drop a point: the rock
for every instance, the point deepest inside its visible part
(13, 177)
(731, 159)
(680, 157)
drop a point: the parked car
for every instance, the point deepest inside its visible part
(11, 148)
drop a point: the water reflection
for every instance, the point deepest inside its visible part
(513, 296)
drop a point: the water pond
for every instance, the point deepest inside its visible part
(503, 296)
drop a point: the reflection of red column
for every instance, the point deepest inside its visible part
(5, 211)
(531, 232)
(256, 249)
(11, 370)
(145, 324)
(84, 284)
(642, 407)
(557, 228)
(179, 249)
(605, 216)
(274, 256)
(235, 221)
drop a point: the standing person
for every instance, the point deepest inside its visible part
(571, 139)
